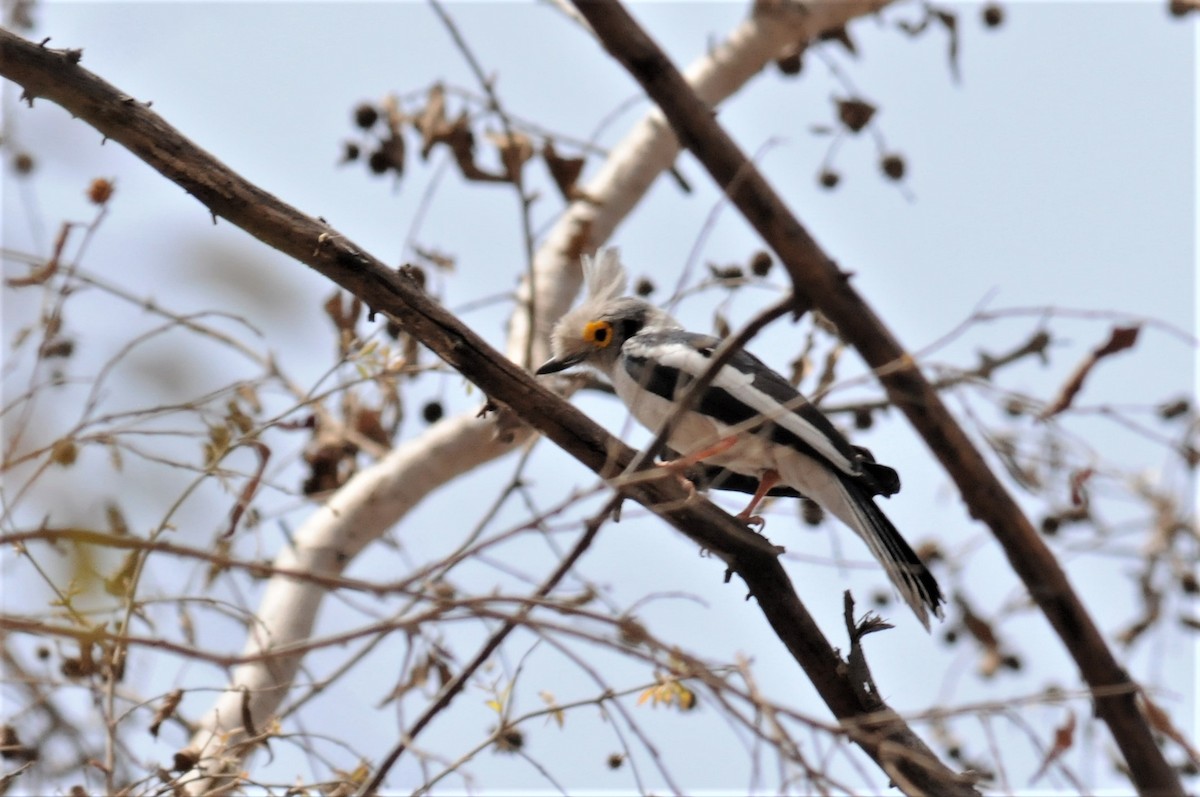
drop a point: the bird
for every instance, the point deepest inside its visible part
(749, 420)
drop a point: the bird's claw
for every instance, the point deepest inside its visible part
(758, 522)
(688, 485)
(676, 468)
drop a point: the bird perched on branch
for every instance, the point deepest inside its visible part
(749, 420)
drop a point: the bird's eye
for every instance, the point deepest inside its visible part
(598, 333)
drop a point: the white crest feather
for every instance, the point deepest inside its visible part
(604, 275)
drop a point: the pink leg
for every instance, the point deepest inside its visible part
(683, 463)
(769, 480)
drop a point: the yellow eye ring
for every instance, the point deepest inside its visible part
(598, 333)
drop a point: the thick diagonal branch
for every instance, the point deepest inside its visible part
(817, 277)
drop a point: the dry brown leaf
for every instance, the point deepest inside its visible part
(431, 121)
(47, 270)
(985, 635)
(461, 141)
(1079, 480)
(564, 171)
(1064, 737)
(165, 711)
(515, 151)
(248, 492)
(855, 114)
(1122, 338)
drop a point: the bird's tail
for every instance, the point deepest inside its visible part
(908, 573)
(853, 504)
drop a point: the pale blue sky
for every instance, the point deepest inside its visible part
(1060, 171)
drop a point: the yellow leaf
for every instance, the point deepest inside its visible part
(687, 698)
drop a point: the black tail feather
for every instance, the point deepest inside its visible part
(897, 556)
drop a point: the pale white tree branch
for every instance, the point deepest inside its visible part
(375, 499)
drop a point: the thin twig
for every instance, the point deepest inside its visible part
(451, 689)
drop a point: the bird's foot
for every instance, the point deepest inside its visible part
(674, 467)
(766, 481)
(757, 522)
(689, 486)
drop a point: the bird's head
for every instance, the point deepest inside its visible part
(594, 332)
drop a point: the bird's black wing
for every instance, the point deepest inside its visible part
(667, 361)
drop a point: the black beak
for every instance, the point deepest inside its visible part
(561, 364)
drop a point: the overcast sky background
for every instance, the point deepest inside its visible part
(1059, 172)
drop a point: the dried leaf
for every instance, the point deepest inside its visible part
(247, 494)
(687, 698)
(247, 715)
(393, 115)
(219, 438)
(186, 626)
(444, 673)
(116, 520)
(392, 150)
(564, 171)
(114, 454)
(461, 141)
(431, 122)
(1079, 480)
(721, 328)
(48, 269)
(985, 635)
(11, 747)
(369, 423)
(184, 760)
(950, 22)
(165, 711)
(119, 584)
(344, 316)
(731, 275)
(669, 692)
(237, 418)
(497, 703)
(515, 151)
(1064, 737)
(1122, 338)
(855, 114)
(1174, 409)
(556, 713)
